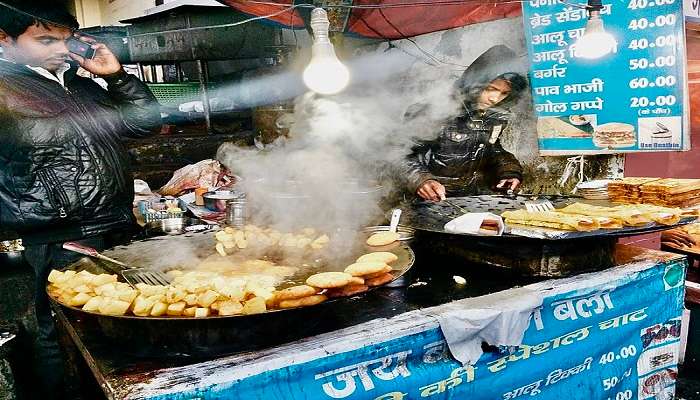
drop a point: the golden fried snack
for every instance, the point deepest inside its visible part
(189, 311)
(378, 274)
(304, 301)
(357, 280)
(347, 291)
(551, 219)
(380, 280)
(365, 268)
(230, 308)
(93, 304)
(295, 292)
(201, 312)
(329, 280)
(658, 214)
(176, 309)
(113, 307)
(383, 238)
(609, 223)
(630, 216)
(256, 305)
(220, 248)
(383, 256)
(159, 309)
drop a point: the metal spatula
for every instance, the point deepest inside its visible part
(395, 217)
(539, 206)
(131, 275)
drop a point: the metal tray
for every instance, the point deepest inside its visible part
(432, 217)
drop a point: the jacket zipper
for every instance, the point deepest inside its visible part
(62, 195)
(118, 176)
(55, 197)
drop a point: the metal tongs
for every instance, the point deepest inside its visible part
(131, 275)
(443, 198)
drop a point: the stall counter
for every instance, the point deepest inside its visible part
(612, 334)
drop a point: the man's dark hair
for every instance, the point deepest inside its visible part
(33, 12)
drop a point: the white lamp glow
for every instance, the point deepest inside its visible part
(325, 74)
(595, 42)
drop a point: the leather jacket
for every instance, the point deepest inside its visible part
(64, 171)
(466, 156)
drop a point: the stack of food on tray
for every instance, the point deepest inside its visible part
(627, 190)
(672, 192)
(667, 192)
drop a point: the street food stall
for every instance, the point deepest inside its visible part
(440, 325)
(297, 275)
(597, 333)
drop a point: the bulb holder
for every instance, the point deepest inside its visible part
(594, 24)
(320, 25)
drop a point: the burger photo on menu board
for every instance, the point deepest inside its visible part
(614, 135)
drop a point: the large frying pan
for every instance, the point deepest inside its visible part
(204, 337)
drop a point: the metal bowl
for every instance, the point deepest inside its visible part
(216, 201)
(176, 226)
(406, 233)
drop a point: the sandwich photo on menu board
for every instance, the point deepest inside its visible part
(614, 135)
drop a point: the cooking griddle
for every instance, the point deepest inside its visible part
(432, 217)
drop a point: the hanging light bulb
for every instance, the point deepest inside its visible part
(325, 74)
(595, 42)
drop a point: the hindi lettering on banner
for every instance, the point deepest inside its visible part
(532, 389)
(456, 378)
(575, 14)
(550, 107)
(554, 72)
(559, 374)
(594, 86)
(547, 90)
(575, 34)
(543, 3)
(548, 38)
(622, 320)
(346, 375)
(540, 20)
(524, 352)
(582, 307)
(596, 104)
(554, 55)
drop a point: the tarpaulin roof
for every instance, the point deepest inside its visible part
(391, 19)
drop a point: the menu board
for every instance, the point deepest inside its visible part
(631, 100)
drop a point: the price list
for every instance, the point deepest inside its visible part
(630, 100)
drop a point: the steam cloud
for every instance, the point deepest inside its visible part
(343, 143)
(342, 147)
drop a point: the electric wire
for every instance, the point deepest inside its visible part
(290, 7)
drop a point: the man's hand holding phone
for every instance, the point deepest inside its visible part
(102, 63)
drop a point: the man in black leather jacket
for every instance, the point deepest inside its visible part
(64, 172)
(467, 155)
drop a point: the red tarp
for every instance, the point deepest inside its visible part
(393, 23)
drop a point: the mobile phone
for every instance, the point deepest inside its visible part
(79, 47)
